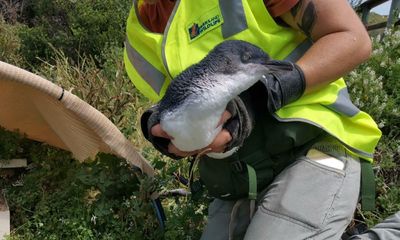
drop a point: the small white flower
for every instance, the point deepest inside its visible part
(378, 38)
(93, 219)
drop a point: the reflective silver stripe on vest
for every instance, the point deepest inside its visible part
(234, 17)
(148, 72)
(164, 41)
(343, 104)
(299, 51)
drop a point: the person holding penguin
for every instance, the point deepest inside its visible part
(286, 147)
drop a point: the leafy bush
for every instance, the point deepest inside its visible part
(106, 88)
(11, 10)
(73, 27)
(60, 198)
(10, 43)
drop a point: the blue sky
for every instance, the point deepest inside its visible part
(382, 9)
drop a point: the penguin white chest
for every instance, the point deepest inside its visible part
(192, 126)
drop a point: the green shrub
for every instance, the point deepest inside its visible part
(59, 198)
(375, 85)
(108, 89)
(11, 10)
(10, 43)
(53, 201)
(74, 27)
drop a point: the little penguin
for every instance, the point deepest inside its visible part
(195, 100)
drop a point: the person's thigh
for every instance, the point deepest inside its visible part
(308, 200)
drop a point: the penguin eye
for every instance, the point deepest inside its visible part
(246, 57)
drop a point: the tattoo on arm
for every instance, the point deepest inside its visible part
(305, 16)
(295, 9)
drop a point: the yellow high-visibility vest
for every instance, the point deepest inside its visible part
(152, 60)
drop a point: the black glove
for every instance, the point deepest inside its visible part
(239, 126)
(241, 122)
(285, 83)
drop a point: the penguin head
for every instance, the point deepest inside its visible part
(235, 65)
(232, 56)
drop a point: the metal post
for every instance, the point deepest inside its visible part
(364, 16)
(4, 217)
(394, 9)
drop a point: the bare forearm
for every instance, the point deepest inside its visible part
(340, 39)
(323, 63)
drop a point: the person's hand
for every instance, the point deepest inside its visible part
(218, 145)
(237, 125)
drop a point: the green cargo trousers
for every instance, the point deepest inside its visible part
(308, 200)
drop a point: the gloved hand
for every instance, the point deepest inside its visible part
(239, 125)
(285, 83)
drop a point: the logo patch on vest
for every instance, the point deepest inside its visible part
(204, 24)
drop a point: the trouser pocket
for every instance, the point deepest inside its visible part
(304, 193)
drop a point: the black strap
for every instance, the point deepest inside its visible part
(159, 211)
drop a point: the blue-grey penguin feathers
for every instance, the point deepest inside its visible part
(195, 100)
(227, 58)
